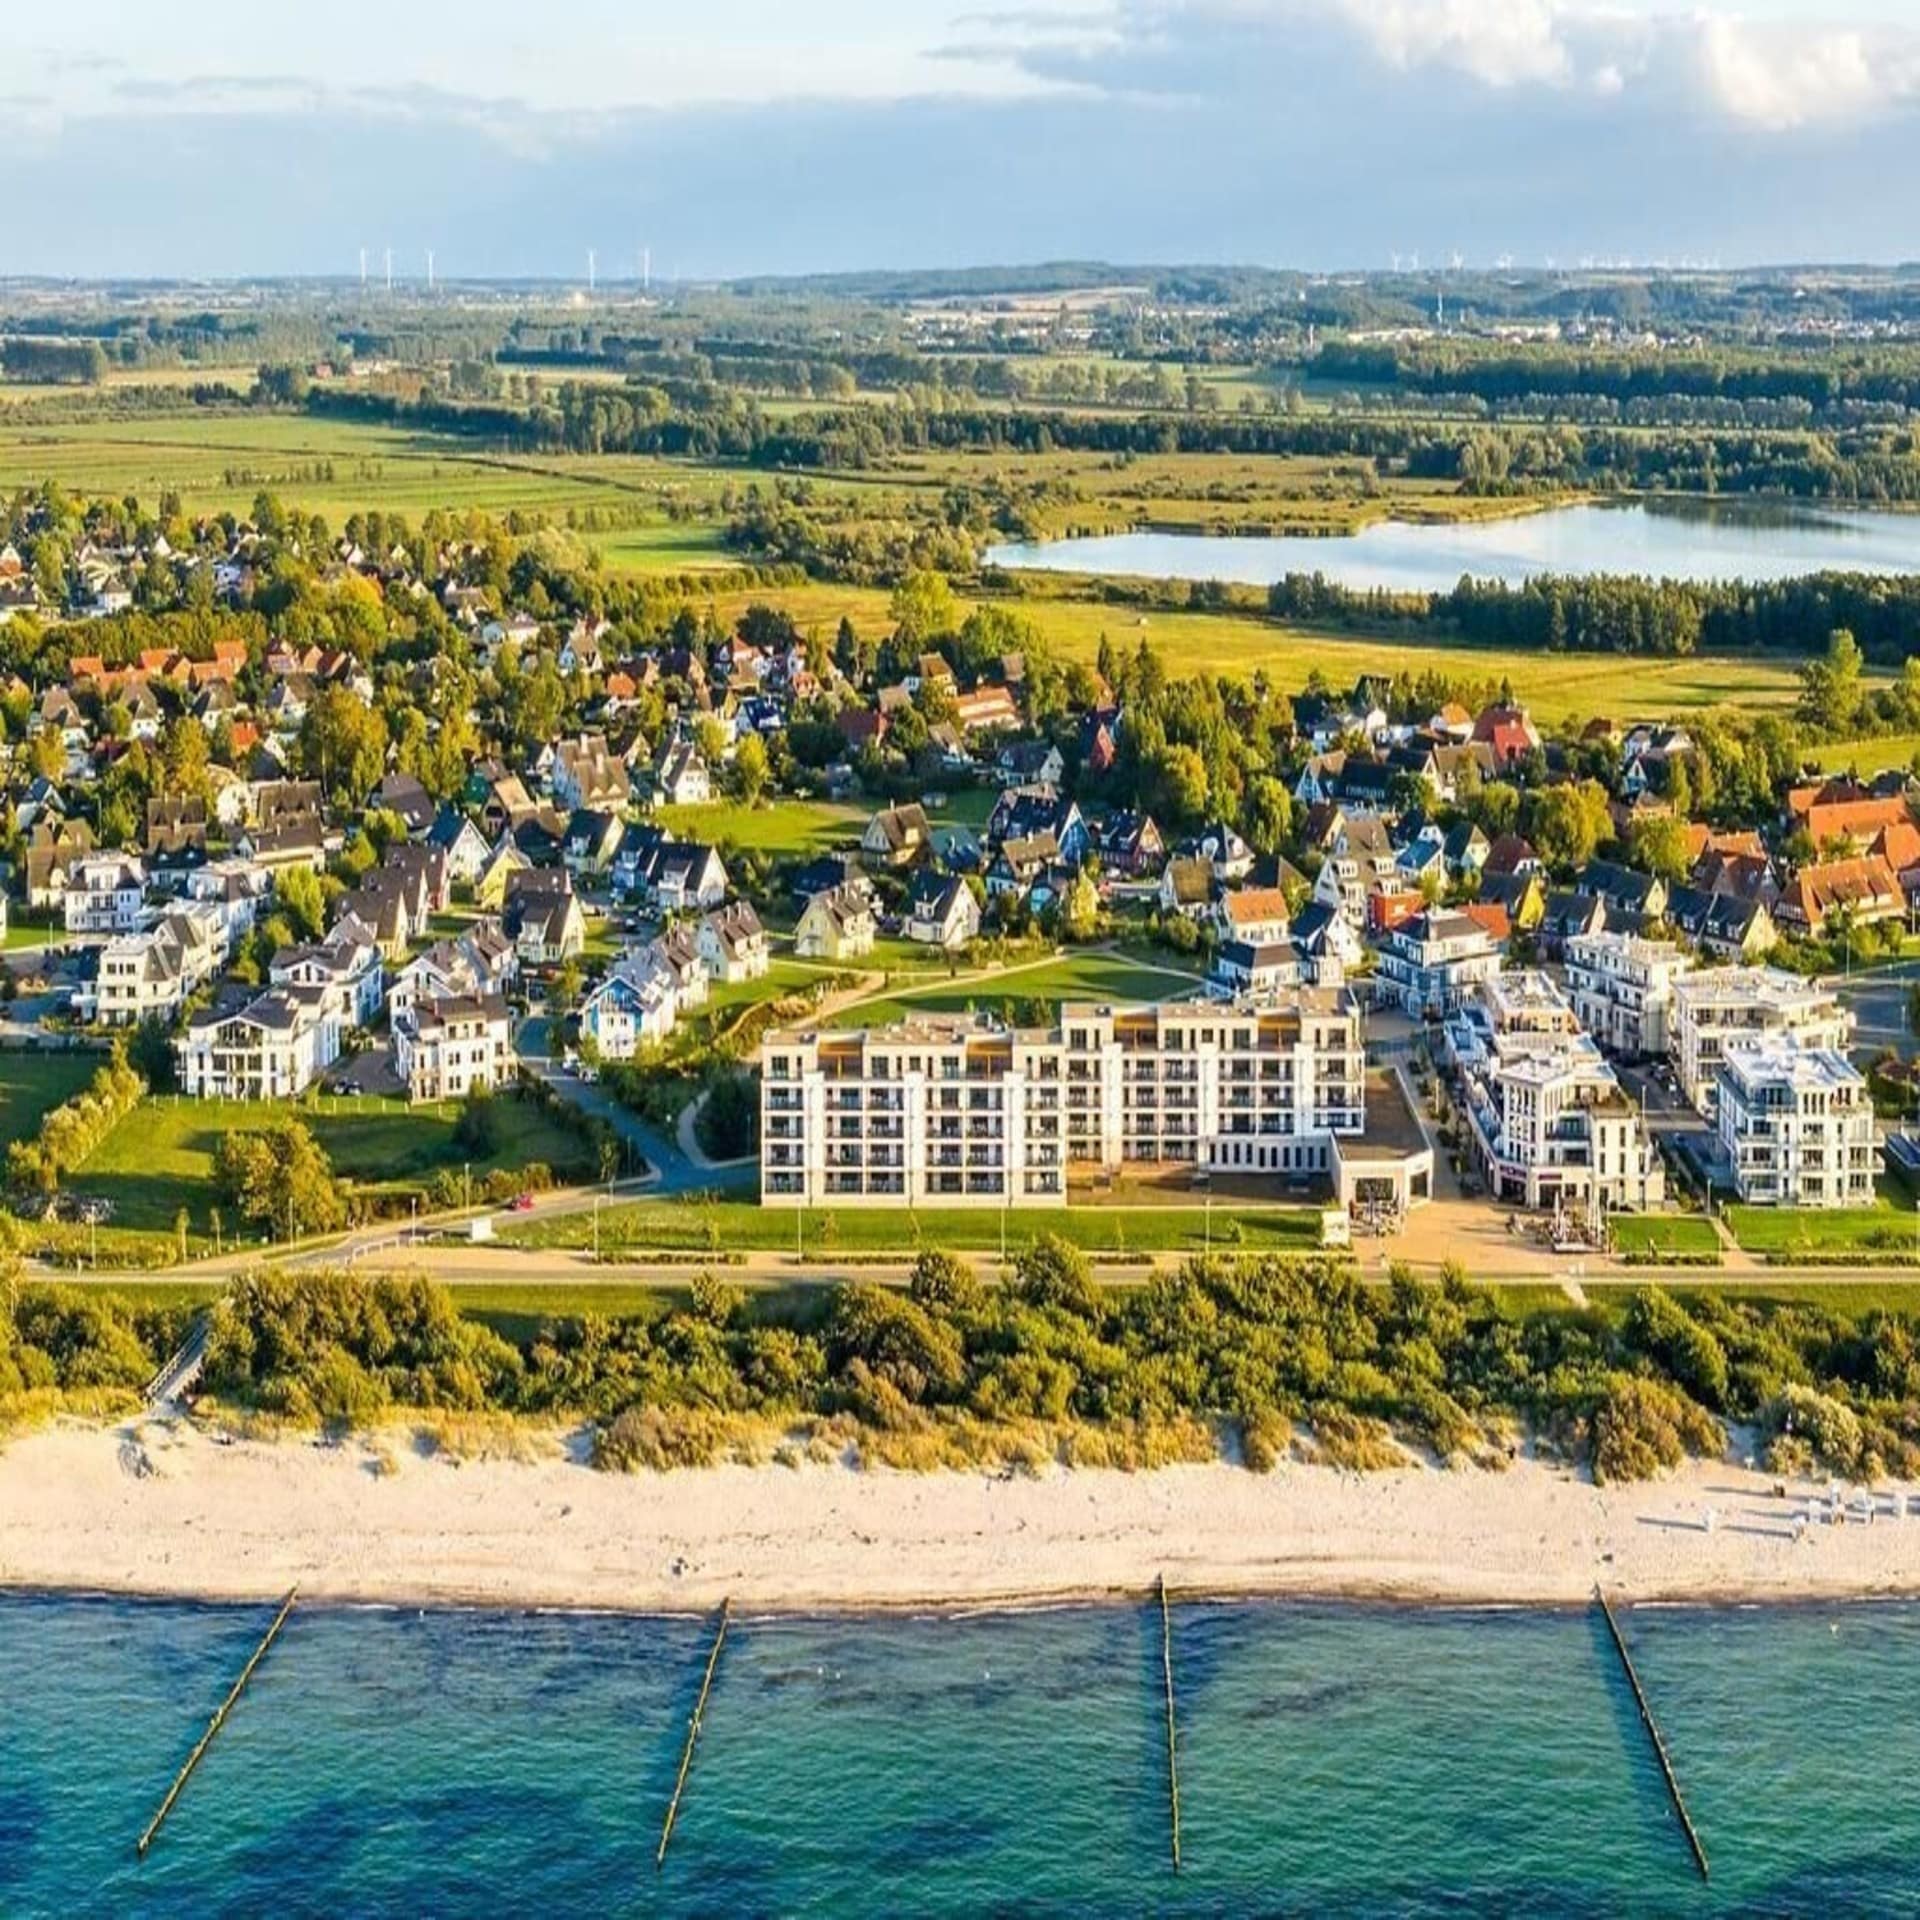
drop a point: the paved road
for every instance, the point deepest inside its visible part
(678, 1174)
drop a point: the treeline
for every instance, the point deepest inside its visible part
(1279, 1355)
(54, 362)
(1866, 465)
(1822, 379)
(72, 1130)
(1625, 614)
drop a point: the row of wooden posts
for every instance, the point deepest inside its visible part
(698, 1716)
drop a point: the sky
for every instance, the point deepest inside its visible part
(792, 136)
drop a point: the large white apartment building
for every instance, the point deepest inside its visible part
(1796, 1125)
(964, 1111)
(274, 1047)
(1713, 1008)
(444, 1049)
(1622, 989)
(1549, 1120)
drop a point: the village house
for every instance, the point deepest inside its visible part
(941, 912)
(839, 925)
(733, 944)
(273, 1048)
(105, 893)
(446, 1049)
(897, 836)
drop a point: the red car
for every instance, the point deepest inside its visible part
(520, 1203)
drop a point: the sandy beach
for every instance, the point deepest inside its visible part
(162, 1508)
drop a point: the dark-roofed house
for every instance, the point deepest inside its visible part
(1726, 924)
(1431, 965)
(941, 911)
(897, 836)
(1626, 890)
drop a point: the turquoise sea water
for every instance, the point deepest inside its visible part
(1333, 1760)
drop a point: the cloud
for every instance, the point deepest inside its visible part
(1768, 74)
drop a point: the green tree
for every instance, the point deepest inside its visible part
(924, 610)
(280, 1178)
(1830, 686)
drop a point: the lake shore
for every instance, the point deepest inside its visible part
(163, 1508)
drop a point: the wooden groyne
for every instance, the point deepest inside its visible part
(1173, 1744)
(218, 1721)
(693, 1731)
(1653, 1734)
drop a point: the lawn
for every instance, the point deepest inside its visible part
(1867, 757)
(1888, 1227)
(33, 1084)
(697, 1226)
(1092, 975)
(787, 829)
(160, 1158)
(1647, 1236)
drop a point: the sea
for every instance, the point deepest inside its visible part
(1331, 1759)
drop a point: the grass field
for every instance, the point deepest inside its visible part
(720, 1225)
(1643, 1236)
(219, 460)
(786, 828)
(33, 1084)
(1868, 757)
(160, 1158)
(1080, 976)
(1555, 687)
(1889, 1227)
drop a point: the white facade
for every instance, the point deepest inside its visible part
(152, 974)
(272, 1049)
(444, 1049)
(1796, 1125)
(1714, 1008)
(1435, 963)
(1550, 1122)
(1622, 989)
(965, 1112)
(106, 893)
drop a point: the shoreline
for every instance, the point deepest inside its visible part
(159, 1509)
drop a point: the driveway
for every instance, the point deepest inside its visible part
(678, 1174)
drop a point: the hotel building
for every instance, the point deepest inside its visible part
(1796, 1125)
(1622, 989)
(963, 1111)
(1715, 1008)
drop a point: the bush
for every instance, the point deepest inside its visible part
(1643, 1427)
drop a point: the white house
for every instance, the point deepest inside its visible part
(733, 944)
(272, 1049)
(106, 893)
(941, 912)
(446, 1049)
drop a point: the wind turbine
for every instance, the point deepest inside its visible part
(593, 271)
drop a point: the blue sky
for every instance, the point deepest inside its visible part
(770, 135)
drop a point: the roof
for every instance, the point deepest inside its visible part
(1249, 906)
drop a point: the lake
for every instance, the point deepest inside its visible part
(1670, 541)
(1332, 1759)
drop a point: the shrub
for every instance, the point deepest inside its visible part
(1644, 1427)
